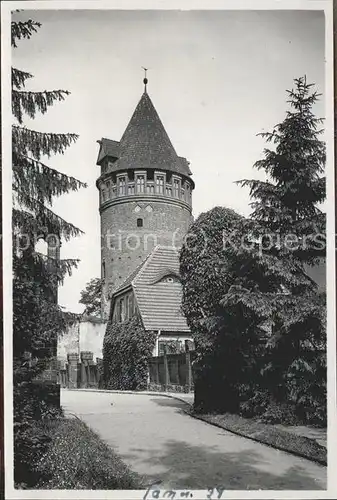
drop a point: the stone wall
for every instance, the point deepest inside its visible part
(85, 335)
(80, 371)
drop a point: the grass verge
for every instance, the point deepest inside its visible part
(267, 434)
(77, 458)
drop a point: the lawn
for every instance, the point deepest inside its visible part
(267, 434)
(78, 459)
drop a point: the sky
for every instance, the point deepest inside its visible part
(216, 78)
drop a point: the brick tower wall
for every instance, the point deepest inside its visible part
(124, 245)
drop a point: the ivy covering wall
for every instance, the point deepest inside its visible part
(126, 349)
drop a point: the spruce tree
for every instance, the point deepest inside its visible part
(37, 318)
(287, 230)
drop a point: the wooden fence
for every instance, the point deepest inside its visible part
(172, 372)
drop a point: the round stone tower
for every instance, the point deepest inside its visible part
(145, 193)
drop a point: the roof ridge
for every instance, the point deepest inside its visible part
(168, 247)
(146, 263)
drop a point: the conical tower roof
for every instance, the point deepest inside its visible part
(145, 143)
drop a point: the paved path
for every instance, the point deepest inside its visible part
(155, 438)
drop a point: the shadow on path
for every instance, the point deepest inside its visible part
(198, 467)
(170, 402)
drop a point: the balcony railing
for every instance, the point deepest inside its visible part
(149, 188)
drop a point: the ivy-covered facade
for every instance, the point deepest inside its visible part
(153, 292)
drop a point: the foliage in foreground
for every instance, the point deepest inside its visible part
(227, 339)
(37, 319)
(126, 349)
(257, 317)
(33, 403)
(76, 458)
(291, 229)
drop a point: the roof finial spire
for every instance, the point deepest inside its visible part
(145, 79)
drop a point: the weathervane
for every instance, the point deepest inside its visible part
(145, 78)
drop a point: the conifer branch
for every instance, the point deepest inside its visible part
(23, 29)
(33, 102)
(25, 141)
(60, 267)
(19, 78)
(40, 220)
(40, 181)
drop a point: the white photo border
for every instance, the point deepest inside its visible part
(6, 8)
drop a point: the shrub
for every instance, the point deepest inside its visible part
(254, 404)
(126, 350)
(280, 413)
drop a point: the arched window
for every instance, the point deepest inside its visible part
(139, 222)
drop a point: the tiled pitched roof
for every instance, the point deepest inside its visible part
(159, 302)
(108, 147)
(144, 144)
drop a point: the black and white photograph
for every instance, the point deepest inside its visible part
(168, 250)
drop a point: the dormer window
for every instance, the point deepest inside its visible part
(171, 278)
(167, 278)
